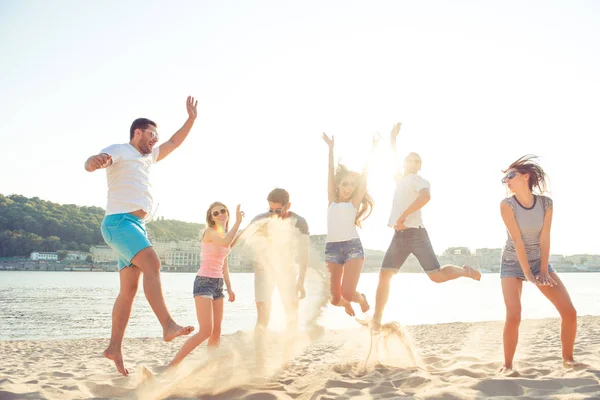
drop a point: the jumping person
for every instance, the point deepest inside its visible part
(349, 205)
(123, 228)
(410, 236)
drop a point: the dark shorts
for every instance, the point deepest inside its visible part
(407, 241)
(340, 252)
(512, 269)
(210, 288)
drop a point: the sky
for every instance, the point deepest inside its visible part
(475, 84)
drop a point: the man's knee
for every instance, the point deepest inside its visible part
(263, 310)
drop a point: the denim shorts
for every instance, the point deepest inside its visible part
(209, 288)
(126, 235)
(407, 241)
(340, 252)
(512, 269)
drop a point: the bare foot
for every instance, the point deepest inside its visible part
(364, 304)
(349, 310)
(175, 330)
(472, 273)
(508, 371)
(117, 357)
(574, 365)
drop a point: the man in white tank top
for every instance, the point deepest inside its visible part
(123, 228)
(410, 236)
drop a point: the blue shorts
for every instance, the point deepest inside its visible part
(210, 288)
(340, 252)
(512, 269)
(407, 241)
(126, 235)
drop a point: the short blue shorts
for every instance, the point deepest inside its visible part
(209, 288)
(340, 252)
(512, 269)
(126, 235)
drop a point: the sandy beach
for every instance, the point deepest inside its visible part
(443, 361)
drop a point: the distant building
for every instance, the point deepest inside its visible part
(489, 258)
(103, 254)
(180, 256)
(37, 256)
(76, 256)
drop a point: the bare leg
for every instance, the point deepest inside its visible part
(336, 273)
(511, 290)
(383, 292)
(129, 278)
(149, 263)
(559, 296)
(352, 270)
(215, 338)
(450, 272)
(263, 310)
(204, 312)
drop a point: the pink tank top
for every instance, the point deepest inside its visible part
(213, 258)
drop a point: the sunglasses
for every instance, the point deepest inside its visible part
(216, 213)
(153, 134)
(347, 183)
(509, 176)
(277, 211)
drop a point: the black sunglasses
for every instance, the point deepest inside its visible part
(277, 211)
(509, 176)
(216, 213)
(346, 183)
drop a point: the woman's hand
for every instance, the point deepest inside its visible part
(545, 279)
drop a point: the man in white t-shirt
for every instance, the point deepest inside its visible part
(123, 228)
(412, 193)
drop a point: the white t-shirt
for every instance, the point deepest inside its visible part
(128, 179)
(407, 190)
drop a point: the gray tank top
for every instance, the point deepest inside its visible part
(530, 222)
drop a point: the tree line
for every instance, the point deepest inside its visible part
(33, 224)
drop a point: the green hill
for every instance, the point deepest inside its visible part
(32, 224)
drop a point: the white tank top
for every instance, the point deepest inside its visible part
(340, 222)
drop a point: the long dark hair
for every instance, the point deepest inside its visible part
(366, 203)
(528, 164)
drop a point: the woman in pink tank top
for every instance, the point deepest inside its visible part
(212, 274)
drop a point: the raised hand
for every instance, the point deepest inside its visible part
(191, 106)
(396, 130)
(239, 215)
(328, 140)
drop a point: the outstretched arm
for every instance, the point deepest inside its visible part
(362, 184)
(178, 137)
(98, 161)
(330, 173)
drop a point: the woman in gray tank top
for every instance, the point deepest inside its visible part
(527, 215)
